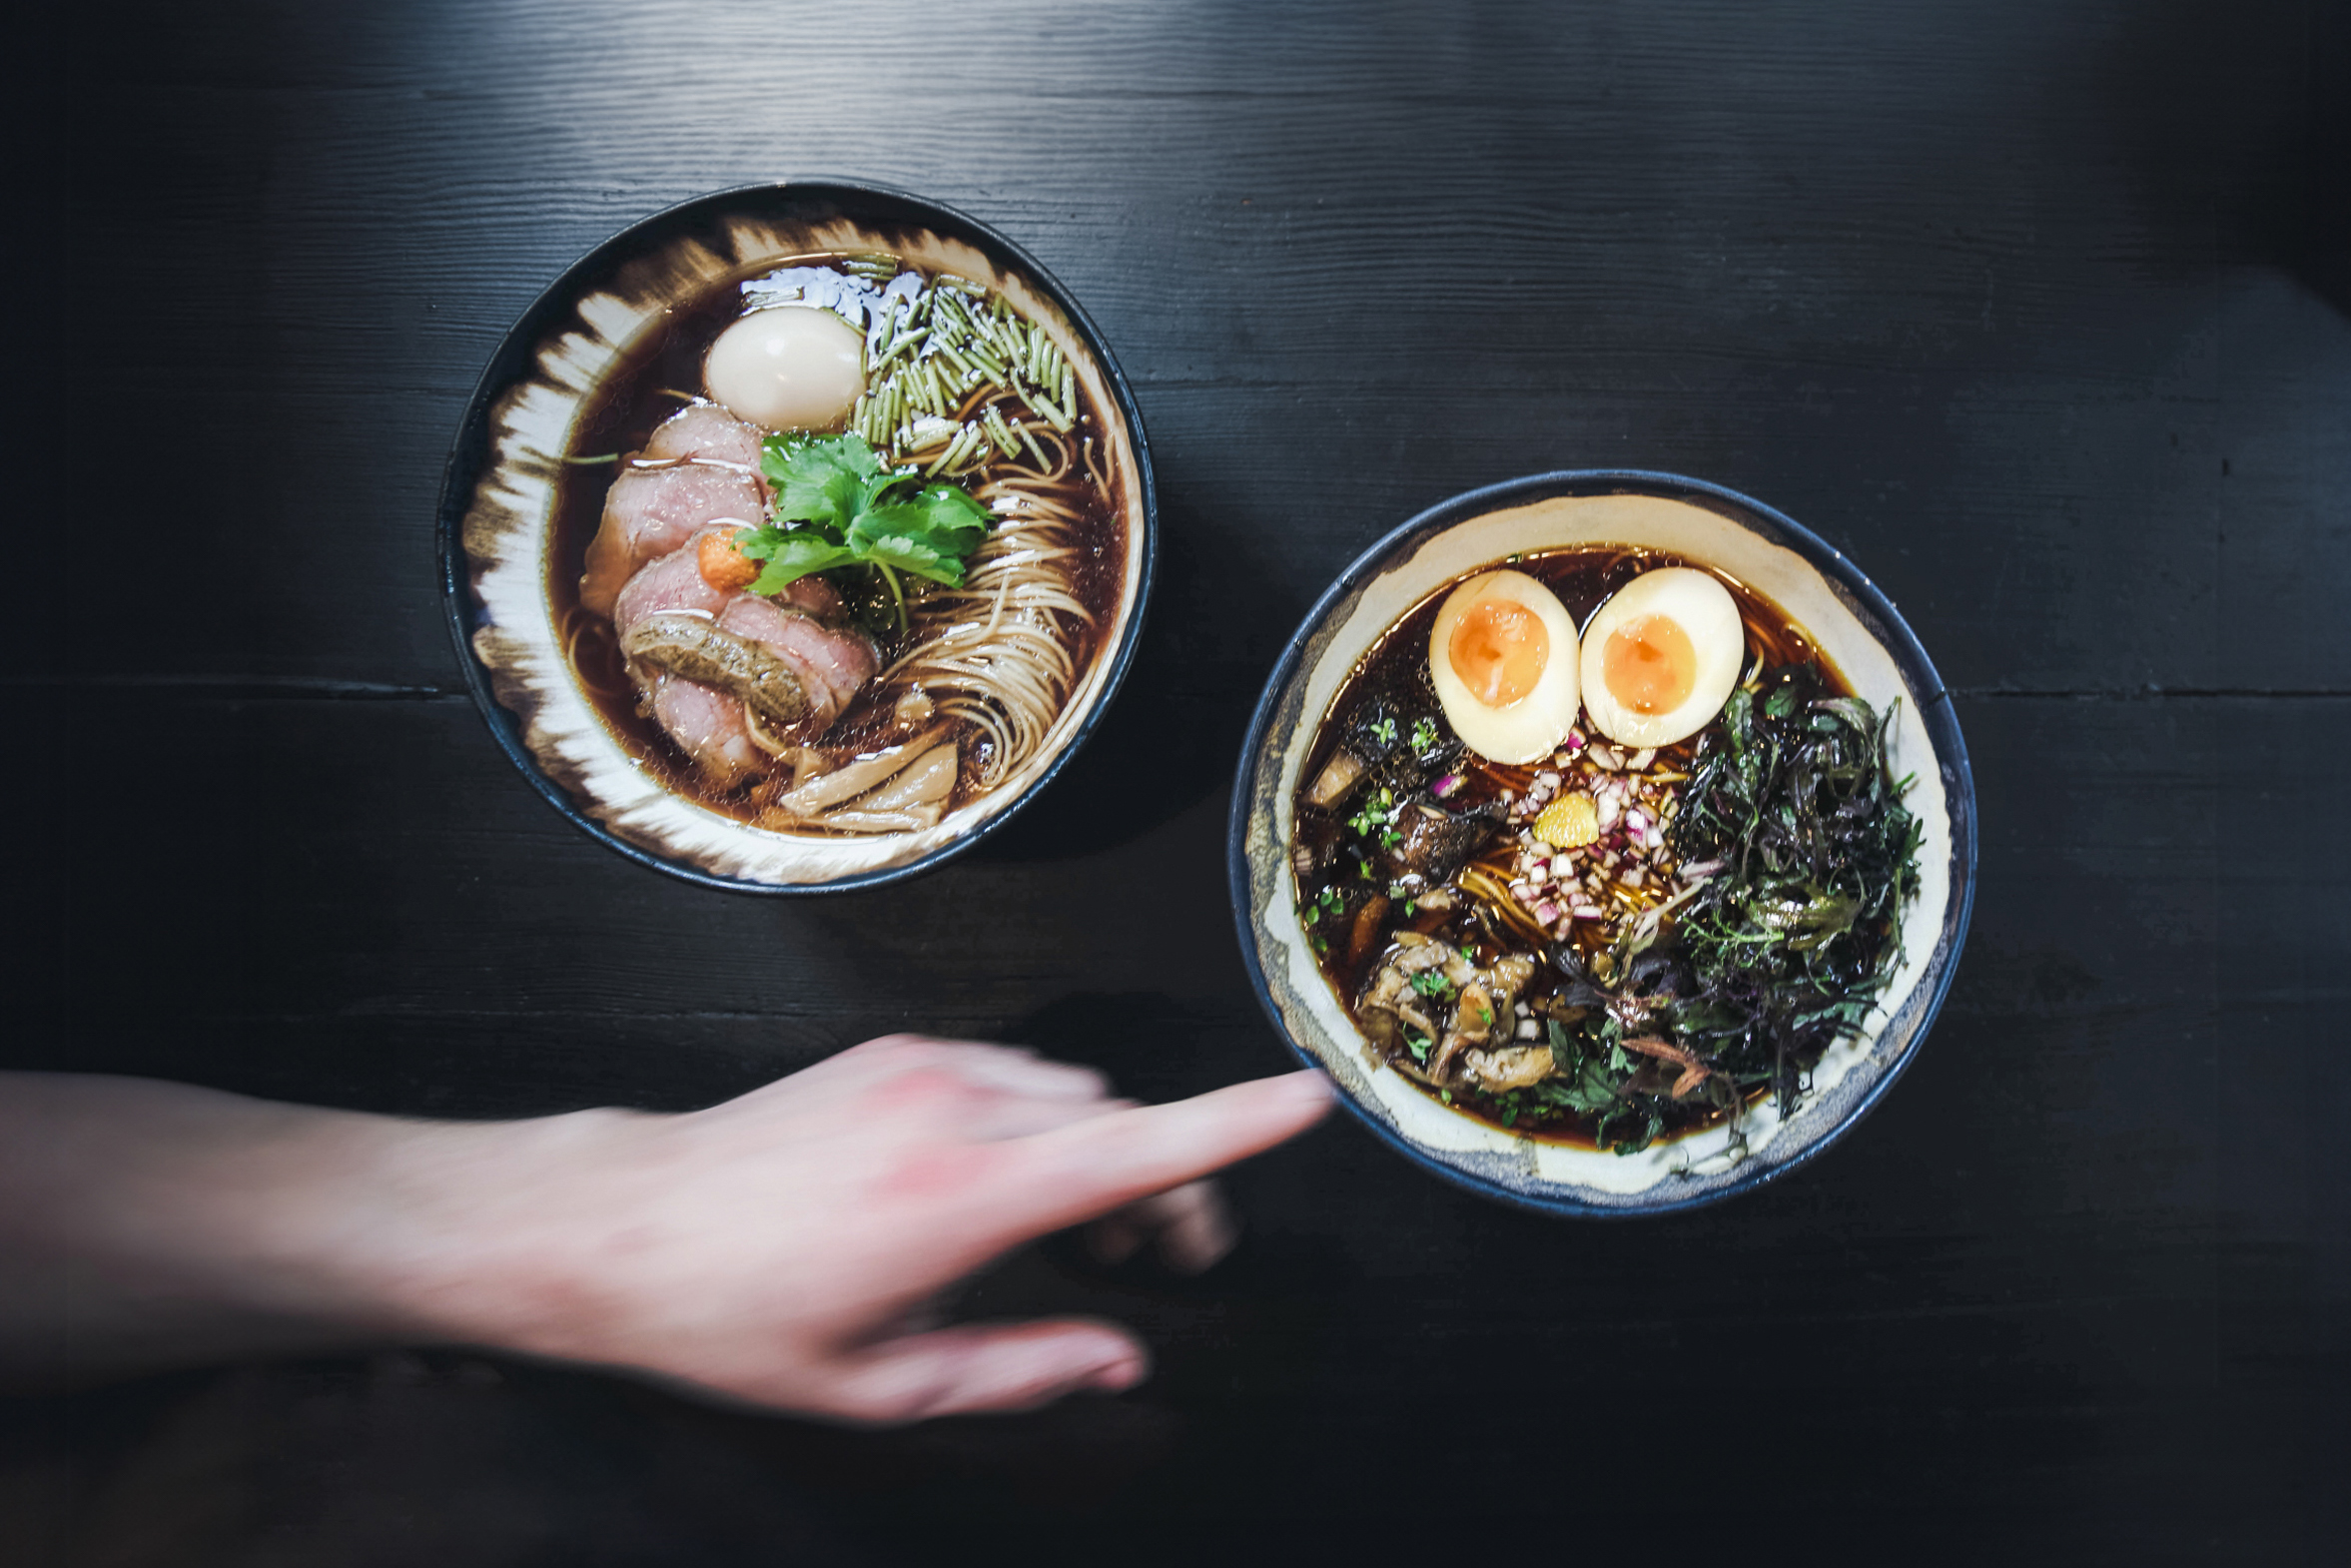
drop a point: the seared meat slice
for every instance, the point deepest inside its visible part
(709, 434)
(651, 511)
(832, 662)
(699, 653)
(707, 725)
(675, 582)
(690, 644)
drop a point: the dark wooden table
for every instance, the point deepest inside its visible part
(2037, 309)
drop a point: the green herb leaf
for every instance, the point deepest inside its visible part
(833, 509)
(791, 557)
(931, 535)
(1583, 1083)
(825, 480)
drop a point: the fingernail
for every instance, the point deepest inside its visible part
(1116, 1375)
(1311, 1084)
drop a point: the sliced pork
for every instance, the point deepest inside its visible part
(675, 582)
(691, 645)
(707, 723)
(709, 434)
(651, 511)
(833, 663)
(699, 653)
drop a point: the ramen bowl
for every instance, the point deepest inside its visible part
(1846, 617)
(505, 556)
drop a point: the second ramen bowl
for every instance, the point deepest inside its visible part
(1848, 618)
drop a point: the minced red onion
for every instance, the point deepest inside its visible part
(1445, 786)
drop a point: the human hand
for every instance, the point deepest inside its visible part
(781, 1247)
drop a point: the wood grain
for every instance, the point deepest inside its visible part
(2040, 311)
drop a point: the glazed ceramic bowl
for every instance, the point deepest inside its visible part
(500, 494)
(1848, 618)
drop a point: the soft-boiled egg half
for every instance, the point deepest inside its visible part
(1503, 657)
(787, 368)
(1661, 657)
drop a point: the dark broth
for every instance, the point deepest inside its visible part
(662, 374)
(1396, 668)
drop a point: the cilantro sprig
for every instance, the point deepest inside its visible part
(837, 506)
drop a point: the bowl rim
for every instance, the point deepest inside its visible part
(1935, 712)
(554, 305)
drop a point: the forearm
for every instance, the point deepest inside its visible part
(145, 1223)
(774, 1249)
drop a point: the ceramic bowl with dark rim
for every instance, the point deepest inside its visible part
(500, 496)
(1847, 617)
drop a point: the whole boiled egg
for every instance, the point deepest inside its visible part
(1661, 657)
(1502, 655)
(787, 368)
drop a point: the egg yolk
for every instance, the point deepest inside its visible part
(1499, 648)
(1650, 665)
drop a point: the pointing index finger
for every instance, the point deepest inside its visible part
(1074, 1172)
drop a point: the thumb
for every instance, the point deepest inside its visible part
(973, 1368)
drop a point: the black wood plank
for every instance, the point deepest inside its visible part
(2042, 312)
(1947, 293)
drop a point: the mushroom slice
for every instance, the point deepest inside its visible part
(845, 784)
(923, 782)
(1338, 777)
(1512, 1067)
(855, 819)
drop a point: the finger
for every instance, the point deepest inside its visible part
(1189, 1224)
(1089, 1167)
(974, 1369)
(1006, 1068)
(1115, 1237)
(1024, 1071)
(996, 1119)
